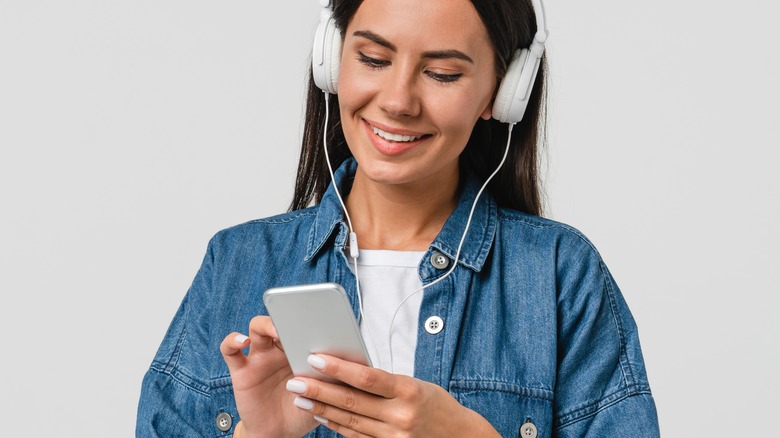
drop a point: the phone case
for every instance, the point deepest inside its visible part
(316, 318)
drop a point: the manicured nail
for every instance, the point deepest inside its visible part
(316, 361)
(296, 386)
(241, 338)
(321, 420)
(303, 403)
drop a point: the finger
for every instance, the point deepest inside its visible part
(372, 380)
(263, 334)
(231, 350)
(344, 422)
(343, 397)
(342, 430)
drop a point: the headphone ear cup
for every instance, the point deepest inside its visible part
(506, 107)
(333, 59)
(326, 56)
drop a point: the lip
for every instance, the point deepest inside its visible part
(393, 148)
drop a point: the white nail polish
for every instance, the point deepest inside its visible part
(303, 403)
(316, 361)
(296, 386)
(321, 420)
(240, 338)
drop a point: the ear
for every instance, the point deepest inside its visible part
(487, 113)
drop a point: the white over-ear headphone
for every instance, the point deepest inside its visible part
(513, 92)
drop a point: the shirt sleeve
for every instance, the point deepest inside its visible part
(176, 401)
(165, 406)
(602, 387)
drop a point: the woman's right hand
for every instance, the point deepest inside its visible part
(259, 384)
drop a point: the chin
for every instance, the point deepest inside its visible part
(385, 173)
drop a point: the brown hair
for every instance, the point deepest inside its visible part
(510, 25)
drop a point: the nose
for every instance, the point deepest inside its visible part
(399, 97)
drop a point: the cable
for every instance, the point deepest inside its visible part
(460, 245)
(353, 246)
(354, 251)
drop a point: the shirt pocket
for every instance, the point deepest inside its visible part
(507, 406)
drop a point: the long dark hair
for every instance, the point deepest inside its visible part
(511, 25)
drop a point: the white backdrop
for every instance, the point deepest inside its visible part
(130, 132)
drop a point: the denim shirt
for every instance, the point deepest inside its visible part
(534, 327)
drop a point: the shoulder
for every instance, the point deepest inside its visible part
(537, 223)
(278, 223)
(286, 227)
(556, 251)
(539, 232)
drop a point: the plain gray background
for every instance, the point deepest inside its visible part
(132, 131)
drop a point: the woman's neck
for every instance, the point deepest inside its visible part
(400, 217)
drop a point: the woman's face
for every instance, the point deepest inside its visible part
(415, 76)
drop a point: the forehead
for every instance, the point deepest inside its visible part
(423, 24)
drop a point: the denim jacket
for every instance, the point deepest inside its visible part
(535, 329)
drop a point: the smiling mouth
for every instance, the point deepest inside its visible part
(396, 137)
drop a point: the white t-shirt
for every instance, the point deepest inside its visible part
(386, 278)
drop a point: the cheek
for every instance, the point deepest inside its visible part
(457, 116)
(353, 92)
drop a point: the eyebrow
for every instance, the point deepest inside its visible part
(435, 54)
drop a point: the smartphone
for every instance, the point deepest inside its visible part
(315, 318)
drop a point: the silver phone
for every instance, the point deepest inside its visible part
(315, 318)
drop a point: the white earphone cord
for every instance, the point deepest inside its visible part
(353, 248)
(354, 252)
(460, 245)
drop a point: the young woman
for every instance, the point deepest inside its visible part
(521, 329)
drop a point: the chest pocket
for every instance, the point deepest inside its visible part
(507, 407)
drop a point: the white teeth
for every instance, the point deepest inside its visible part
(394, 137)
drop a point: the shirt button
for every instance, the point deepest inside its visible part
(224, 421)
(527, 430)
(434, 325)
(439, 260)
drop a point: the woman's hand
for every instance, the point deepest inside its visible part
(259, 378)
(379, 404)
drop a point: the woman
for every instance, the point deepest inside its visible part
(521, 329)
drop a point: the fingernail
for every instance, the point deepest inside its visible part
(316, 361)
(296, 386)
(321, 420)
(303, 403)
(241, 338)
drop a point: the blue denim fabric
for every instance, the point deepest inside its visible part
(535, 328)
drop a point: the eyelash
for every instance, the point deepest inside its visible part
(374, 63)
(444, 78)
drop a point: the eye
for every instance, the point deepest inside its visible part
(372, 62)
(444, 78)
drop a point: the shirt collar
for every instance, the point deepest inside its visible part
(330, 220)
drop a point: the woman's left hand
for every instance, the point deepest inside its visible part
(377, 403)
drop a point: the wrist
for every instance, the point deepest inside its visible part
(477, 425)
(241, 432)
(238, 432)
